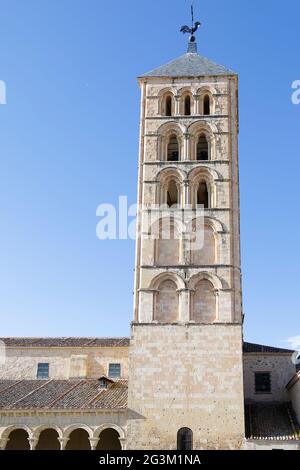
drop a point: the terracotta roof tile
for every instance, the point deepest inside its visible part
(271, 421)
(65, 342)
(260, 348)
(73, 394)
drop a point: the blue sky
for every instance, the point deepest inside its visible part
(69, 141)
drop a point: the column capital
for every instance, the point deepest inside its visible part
(123, 442)
(94, 442)
(63, 442)
(33, 442)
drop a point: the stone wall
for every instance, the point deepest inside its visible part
(186, 377)
(64, 362)
(281, 368)
(294, 395)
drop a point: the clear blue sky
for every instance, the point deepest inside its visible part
(69, 141)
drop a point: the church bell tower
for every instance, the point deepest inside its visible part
(185, 384)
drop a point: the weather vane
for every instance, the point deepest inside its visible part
(193, 29)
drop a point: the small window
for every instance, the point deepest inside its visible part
(262, 382)
(42, 371)
(168, 105)
(206, 105)
(187, 105)
(202, 195)
(114, 370)
(173, 149)
(172, 194)
(102, 383)
(203, 148)
(185, 439)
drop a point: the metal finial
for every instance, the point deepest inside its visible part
(194, 27)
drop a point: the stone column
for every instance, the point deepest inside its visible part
(186, 194)
(33, 442)
(63, 441)
(123, 443)
(217, 305)
(177, 105)
(94, 442)
(197, 104)
(146, 305)
(186, 147)
(3, 443)
(184, 305)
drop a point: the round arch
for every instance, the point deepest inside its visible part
(7, 431)
(37, 431)
(103, 427)
(73, 427)
(215, 280)
(169, 276)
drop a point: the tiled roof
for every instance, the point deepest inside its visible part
(189, 65)
(61, 395)
(271, 421)
(65, 342)
(260, 348)
(73, 342)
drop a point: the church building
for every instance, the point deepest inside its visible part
(186, 378)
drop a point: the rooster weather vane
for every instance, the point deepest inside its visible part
(193, 29)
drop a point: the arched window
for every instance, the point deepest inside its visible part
(166, 305)
(203, 245)
(172, 194)
(109, 440)
(187, 105)
(48, 440)
(173, 149)
(168, 105)
(79, 440)
(202, 195)
(204, 302)
(168, 243)
(18, 440)
(203, 148)
(206, 105)
(185, 439)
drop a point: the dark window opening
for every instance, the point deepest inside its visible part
(202, 148)
(262, 382)
(42, 371)
(168, 106)
(103, 383)
(172, 194)
(206, 105)
(173, 149)
(114, 370)
(202, 195)
(187, 106)
(185, 439)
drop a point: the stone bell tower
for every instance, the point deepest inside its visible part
(185, 384)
